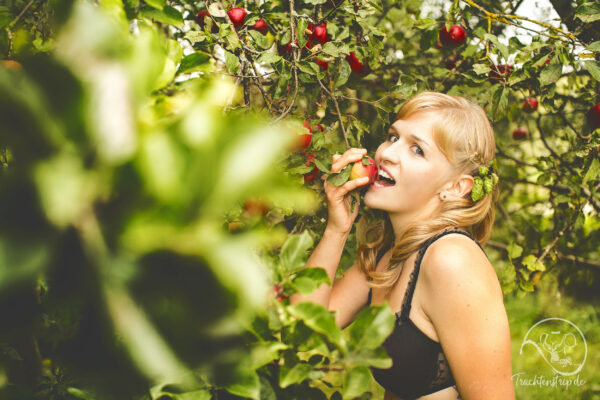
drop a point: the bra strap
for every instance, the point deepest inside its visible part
(406, 305)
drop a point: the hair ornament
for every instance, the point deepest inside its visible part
(484, 181)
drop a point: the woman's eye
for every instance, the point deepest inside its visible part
(419, 151)
(392, 138)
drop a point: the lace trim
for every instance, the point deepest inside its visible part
(443, 375)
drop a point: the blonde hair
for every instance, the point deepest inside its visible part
(464, 135)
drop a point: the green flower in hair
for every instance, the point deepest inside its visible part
(484, 182)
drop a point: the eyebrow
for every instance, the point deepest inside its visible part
(413, 136)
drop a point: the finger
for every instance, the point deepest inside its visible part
(350, 156)
(353, 184)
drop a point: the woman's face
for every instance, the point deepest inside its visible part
(417, 168)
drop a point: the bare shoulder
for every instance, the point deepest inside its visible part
(455, 265)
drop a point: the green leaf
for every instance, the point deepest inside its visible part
(593, 68)
(335, 49)
(371, 327)
(514, 250)
(158, 4)
(532, 264)
(261, 40)
(320, 320)
(550, 74)
(295, 374)
(501, 47)
(377, 358)
(247, 385)
(309, 279)
(168, 15)
(356, 382)
(428, 38)
(595, 47)
(308, 67)
(343, 74)
(315, 2)
(588, 12)
(194, 62)
(268, 57)
(341, 177)
(5, 16)
(232, 62)
(481, 69)
(592, 172)
(425, 23)
(301, 32)
(294, 251)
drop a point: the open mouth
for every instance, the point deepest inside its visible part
(384, 179)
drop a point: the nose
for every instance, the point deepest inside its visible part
(388, 153)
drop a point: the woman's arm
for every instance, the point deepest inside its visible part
(329, 250)
(464, 301)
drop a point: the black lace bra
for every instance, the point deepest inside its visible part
(419, 365)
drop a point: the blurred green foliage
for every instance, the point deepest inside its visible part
(154, 218)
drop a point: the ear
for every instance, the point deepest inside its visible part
(458, 188)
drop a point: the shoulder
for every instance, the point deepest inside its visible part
(454, 267)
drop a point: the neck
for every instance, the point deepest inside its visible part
(401, 221)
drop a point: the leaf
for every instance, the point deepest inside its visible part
(158, 4)
(588, 12)
(593, 68)
(261, 40)
(168, 15)
(377, 358)
(296, 374)
(247, 385)
(309, 279)
(356, 382)
(301, 32)
(371, 327)
(195, 37)
(320, 320)
(232, 62)
(532, 264)
(494, 39)
(550, 74)
(343, 74)
(315, 2)
(592, 172)
(335, 49)
(194, 62)
(308, 67)
(428, 38)
(341, 177)
(514, 250)
(499, 106)
(481, 69)
(268, 57)
(595, 47)
(294, 251)
(425, 23)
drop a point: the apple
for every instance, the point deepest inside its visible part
(530, 104)
(305, 139)
(255, 207)
(261, 26)
(364, 168)
(284, 49)
(312, 175)
(500, 71)
(355, 65)
(202, 15)
(520, 133)
(321, 63)
(320, 127)
(12, 64)
(453, 37)
(318, 33)
(593, 116)
(237, 16)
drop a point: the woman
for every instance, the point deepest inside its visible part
(423, 257)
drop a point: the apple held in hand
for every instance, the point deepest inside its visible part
(364, 168)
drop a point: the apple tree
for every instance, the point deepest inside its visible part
(161, 184)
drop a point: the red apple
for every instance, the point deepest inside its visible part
(237, 16)
(520, 133)
(318, 33)
(305, 139)
(453, 37)
(593, 116)
(321, 63)
(546, 62)
(500, 71)
(312, 175)
(261, 26)
(530, 104)
(355, 65)
(320, 127)
(360, 170)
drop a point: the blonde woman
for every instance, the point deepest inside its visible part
(424, 257)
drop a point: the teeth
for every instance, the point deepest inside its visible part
(384, 174)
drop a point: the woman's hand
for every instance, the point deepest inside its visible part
(340, 216)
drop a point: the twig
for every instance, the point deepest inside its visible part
(295, 55)
(16, 19)
(337, 108)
